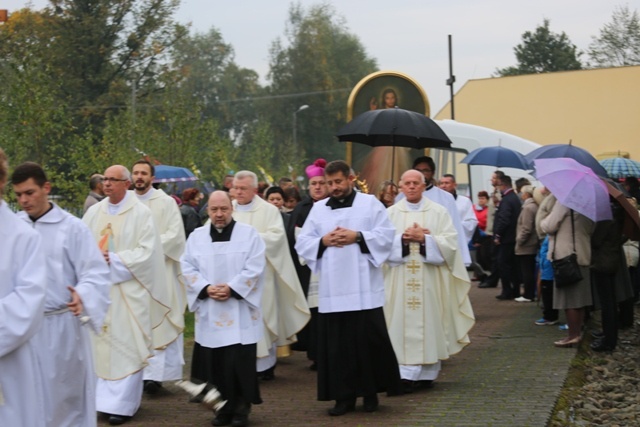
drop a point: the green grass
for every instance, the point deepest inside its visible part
(189, 325)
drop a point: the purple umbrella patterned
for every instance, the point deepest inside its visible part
(575, 186)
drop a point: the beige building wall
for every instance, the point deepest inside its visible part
(598, 110)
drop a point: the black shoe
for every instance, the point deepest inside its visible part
(426, 383)
(152, 387)
(600, 346)
(222, 420)
(370, 403)
(485, 285)
(240, 420)
(116, 420)
(314, 366)
(267, 375)
(503, 297)
(342, 407)
(409, 386)
(597, 334)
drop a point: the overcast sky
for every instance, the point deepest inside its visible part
(409, 36)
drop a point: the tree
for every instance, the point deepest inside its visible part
(318, 65)
(543, 51)
(618, 43)
(208, 73)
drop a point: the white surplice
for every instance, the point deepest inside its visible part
(64, 345)
(284, 307)
(468, 217)
(349, 280)
(167, 362)
(139, 301)
(240, 264)
(427, 308)
(23, 279)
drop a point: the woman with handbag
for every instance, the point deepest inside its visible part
(570, 241)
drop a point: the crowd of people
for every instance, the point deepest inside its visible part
(374, 288)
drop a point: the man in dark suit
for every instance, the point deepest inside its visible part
(504, 236)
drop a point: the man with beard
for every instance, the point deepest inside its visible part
(223, 265)
(125, 233)
(166, 364)
(345, 240)
(318, 190)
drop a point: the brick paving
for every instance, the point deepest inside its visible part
(510, 375)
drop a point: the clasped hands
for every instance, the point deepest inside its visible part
(339, 237)
(221, 292)
(414, 233)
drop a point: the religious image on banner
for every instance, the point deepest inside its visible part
(384, 89)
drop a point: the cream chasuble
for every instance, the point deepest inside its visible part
(427, 307)
(139, 304)
(284, 307)
(168, 221)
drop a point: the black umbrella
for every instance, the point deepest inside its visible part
(394, 127)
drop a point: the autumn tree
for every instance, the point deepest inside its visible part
(543, 51)
(317, 64)
(618, 43)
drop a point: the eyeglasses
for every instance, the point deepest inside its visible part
(107, 179)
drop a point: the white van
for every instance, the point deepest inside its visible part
(466, 138)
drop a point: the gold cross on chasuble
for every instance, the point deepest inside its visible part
(413, 266)
(414, 303)
(413, 285)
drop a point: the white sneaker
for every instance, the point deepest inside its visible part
(522, 299)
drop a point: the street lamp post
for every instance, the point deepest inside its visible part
(295, 126)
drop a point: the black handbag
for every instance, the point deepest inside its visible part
(566, 270)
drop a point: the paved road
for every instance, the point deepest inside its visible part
(510, 375)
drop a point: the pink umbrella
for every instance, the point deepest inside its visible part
(575, 186)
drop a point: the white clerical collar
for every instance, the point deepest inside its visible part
(414, 206)
(247, 207)
(114, 209)
(146, 196)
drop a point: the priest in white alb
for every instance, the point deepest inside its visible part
(167, 361)
(125, 233)
(77, 287)
(23, 279)
(346, 239)
(427, 307)
(284, 307)
(223, 267)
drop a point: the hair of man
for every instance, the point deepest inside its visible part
(247, 174)
(425, 159)
(506, 181)
(152, 168)
(29, 170)
(337, 166)
(95, 180)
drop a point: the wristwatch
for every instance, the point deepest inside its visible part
(358, 237)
